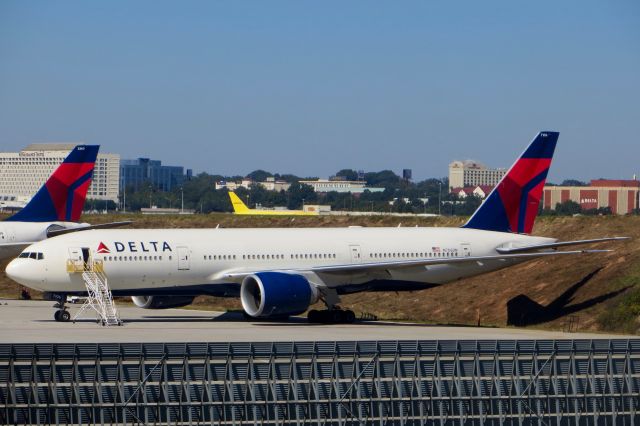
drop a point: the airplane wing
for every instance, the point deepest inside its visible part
(526, 249)
(400, 264)
(55, 232)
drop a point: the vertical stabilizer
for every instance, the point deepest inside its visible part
(238, 206)
(62, 197)
(513, 204)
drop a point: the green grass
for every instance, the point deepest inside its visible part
(623, 314)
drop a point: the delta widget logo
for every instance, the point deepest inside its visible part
(102, 248)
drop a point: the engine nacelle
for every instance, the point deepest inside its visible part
(268, 294)
(161, 302)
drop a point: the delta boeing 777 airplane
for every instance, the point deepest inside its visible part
(281, 272)
(56, 207)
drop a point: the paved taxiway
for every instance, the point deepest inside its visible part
(32, 322)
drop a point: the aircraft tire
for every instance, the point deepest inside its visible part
(56, 315)
(65, 316)
(337, 316)
(314, 316)
(349, 317)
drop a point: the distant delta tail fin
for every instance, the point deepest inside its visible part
(62, 197)
(513, 204)
(238, 206)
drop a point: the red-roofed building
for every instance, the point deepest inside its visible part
(480, 191)
(483, 191)
(615, 183)
(621, 196)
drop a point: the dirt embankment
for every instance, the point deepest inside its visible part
(596, 291)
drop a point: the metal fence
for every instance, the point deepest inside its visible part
(544, 382)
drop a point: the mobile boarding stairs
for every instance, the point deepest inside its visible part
(99, 297)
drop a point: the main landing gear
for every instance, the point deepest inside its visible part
(331, 316)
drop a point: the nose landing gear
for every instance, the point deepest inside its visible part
(62, 315)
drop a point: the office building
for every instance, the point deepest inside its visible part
(23, 173)
(135, 174)
(468, 173)
(334, 185)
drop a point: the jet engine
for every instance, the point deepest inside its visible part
(267, 294)
(161, 302)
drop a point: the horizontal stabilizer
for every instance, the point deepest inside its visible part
(56, 232)
(12, 249)
(526, 249)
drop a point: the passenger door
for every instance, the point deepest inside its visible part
(356, 256)
(184, 264)
(7, 235)
(466, 249)
(76, 260)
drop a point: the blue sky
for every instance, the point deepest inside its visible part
(313, 87)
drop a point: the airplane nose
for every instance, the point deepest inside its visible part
(12, 270)
(19, 272)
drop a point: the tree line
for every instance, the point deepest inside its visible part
(402, 196)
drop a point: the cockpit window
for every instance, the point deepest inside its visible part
(31, 255)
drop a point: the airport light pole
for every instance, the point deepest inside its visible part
(124, 193)
(181, 199)
(439, 196)
(424, 203)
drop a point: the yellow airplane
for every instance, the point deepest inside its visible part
(241, 208)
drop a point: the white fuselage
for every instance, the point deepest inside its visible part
(15, 236)
(200, 261)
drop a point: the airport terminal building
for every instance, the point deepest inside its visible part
(23, 173)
